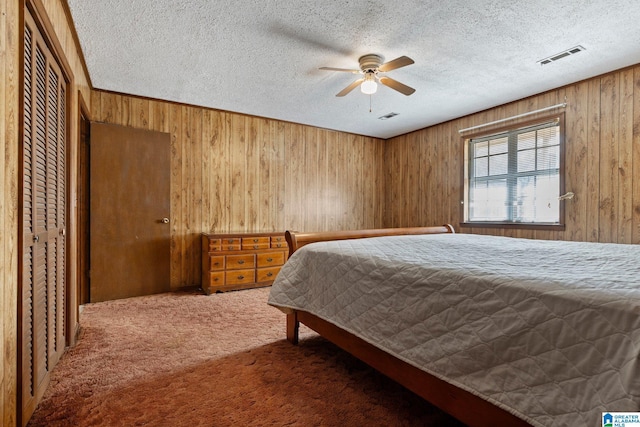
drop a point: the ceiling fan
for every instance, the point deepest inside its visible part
(371, 67)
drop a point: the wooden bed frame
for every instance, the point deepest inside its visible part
(463, 405)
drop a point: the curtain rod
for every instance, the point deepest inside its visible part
(563, 105)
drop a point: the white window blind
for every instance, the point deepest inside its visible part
(514, 176)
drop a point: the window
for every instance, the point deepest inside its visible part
(514, 176)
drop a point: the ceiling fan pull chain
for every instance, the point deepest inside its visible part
(370, 102)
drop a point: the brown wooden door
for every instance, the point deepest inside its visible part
(129, 212)
(43, 259)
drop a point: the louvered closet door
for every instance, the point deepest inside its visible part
(44, 218)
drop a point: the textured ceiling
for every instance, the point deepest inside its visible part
(262, 58)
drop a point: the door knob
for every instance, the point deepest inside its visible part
(165, 220)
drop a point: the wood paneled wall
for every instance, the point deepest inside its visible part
(424, 171)
(9, 116)
(235, 173)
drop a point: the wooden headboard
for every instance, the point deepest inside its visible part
(296, 239)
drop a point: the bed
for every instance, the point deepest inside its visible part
(493, 330)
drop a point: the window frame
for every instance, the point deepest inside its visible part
(560, 225)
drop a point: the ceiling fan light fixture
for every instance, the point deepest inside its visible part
(370, 67)
(369, 85)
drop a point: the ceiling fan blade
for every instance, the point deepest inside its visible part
(402, 61)
(396, 85)
(346, 70)
(349, 88)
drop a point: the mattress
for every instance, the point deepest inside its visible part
(547, 330)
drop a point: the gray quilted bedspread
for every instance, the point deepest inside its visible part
(547, 330)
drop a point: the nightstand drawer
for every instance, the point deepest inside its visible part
(267, 274)
(241, 261)
(237, 277)
(270, 259)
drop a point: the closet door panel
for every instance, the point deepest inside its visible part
(44, 207)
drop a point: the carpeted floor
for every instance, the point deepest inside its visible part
(186, 359)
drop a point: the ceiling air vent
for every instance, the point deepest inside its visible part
(561, 55)
(388, 116)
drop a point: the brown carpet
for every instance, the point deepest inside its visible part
(186, 359)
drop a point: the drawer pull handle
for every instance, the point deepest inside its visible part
(216, 263)
(241, 261)
(215, 280)
(230, 248)
(269, 259)
(269, 274)
(240, 277)
(256, 246)
(255, 240)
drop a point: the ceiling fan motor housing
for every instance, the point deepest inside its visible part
(371, 62)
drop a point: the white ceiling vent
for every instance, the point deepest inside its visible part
(561, 55)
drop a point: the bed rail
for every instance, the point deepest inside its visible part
(296, 239)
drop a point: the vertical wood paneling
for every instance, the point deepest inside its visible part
(251, 174)
(177, 251)
(310, 178)
(602, 143)
(238, 155)
(206, 168)
(295, 175)
(373, 178)
(451, 162)
(395, 165)
(576, 151)
(635, 202)
(265, 152)
(378, 189)
(236, 173)
(9, 116)
(193, 240)
(608, 190)
(277, 170)
(331, 181)
(159, 116)
(355, 169)
(140, 113)
(414, 181)
(8, 106)
(225, 172)
(624, 209)
(593, 161)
